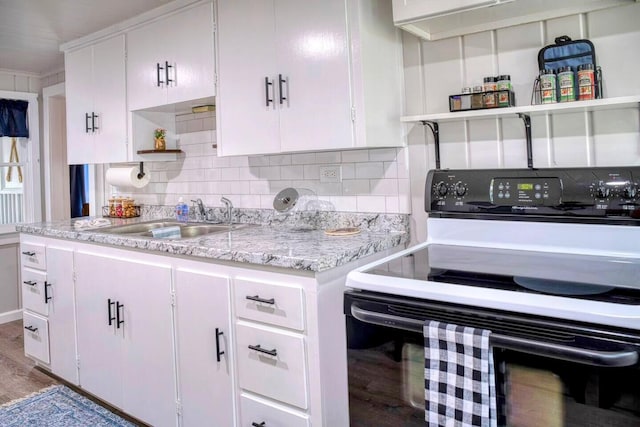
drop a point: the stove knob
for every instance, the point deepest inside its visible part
(602, 192)
(441, 189)
(629, 192)
(461, 190)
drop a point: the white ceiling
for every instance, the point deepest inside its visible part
(31, 31)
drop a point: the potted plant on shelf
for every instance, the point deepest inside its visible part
(160, 142)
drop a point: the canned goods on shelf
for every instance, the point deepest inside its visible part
(566, 82)
(548, 86)
(586, 82)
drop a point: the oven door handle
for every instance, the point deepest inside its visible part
(611, 359)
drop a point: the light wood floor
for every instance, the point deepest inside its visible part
(18, 375)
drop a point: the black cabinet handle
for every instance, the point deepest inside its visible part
(31, 328)
(28, 253)
(281, 81)
(109, 316)
(118, 321)
(273, 352)
(158, 68)
(166, 72)
(218, 352)
(267, 83)
(262, 424)
(46, 293)
(262, 300)
(86, 123)
(94, 116)
(30, 282)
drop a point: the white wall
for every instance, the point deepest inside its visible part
(436, 69)
(374, 180)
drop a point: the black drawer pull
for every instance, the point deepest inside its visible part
(31, 328)
(28, 253)
(158, 68)
(262, 424)
(262, 300)
(218, 352)
(166, 73)
(118, 321)
(281, 81)
(86, 123)
(46, 293)
(30, 282)
(267, 83)
(273, 352)
(109, 316)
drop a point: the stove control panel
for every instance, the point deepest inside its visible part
(609, 192)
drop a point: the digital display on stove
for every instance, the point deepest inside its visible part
(523, 186)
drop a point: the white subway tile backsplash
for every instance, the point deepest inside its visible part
(353, 187)
(382, 154)
(354, 156)
(369, 170)
(253, 181)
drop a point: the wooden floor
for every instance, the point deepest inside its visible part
(18, 375)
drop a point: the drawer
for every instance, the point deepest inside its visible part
(255, 411)
(36, 336)
(33, 255)
(35, 292)
(279, 305)
(281, 375)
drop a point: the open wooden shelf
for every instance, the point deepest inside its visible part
(159, 155)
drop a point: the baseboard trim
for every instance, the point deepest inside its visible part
(10, 316)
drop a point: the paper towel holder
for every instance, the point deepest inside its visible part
(141, 173)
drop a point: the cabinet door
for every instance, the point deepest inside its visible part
(202, 310)
(148, 363)
(99, 348)
(145, 53)
(406, 10)
(191, 54)
(247, 122)
(313, 56)
(79, 99)
(62, 313)
(109, 101)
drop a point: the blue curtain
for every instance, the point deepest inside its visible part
(78, 198)
(13, 118)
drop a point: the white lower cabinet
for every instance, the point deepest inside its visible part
(203, 331)
(272, 363)
(49, 307)
(255, 411)
(36, 336)
(125, 334)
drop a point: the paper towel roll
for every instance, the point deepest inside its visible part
(127, 177)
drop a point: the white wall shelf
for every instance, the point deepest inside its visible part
(524, 112)
(531, 110)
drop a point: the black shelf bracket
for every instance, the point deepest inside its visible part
(141, 173)
(527, 131)
(436, 138)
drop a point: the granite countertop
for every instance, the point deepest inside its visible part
(271, 242)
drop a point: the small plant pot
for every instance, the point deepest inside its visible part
(160, 144)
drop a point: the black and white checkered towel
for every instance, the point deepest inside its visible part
(459, 381)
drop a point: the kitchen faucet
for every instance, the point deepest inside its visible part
(202, 212)
(229, 208)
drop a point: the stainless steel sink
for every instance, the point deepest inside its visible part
(187, 229)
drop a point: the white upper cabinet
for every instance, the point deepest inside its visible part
(171, 60)
(439, 19)
(307, 76)
(96, 103)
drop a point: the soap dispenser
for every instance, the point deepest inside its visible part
(182, 211)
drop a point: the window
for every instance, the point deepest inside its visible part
(19, 170)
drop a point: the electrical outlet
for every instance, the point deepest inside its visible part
(331, 173)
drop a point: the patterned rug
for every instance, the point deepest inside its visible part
(57, 406)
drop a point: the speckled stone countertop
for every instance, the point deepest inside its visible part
(289, 241)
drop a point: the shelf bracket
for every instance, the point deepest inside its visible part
(527, 131)
(141, 173)
(436, 138)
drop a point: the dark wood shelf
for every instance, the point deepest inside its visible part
(173, 151)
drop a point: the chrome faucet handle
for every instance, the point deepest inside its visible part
(202, 212)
